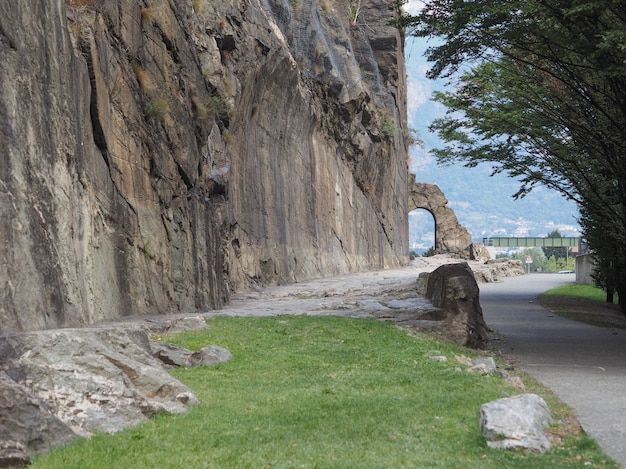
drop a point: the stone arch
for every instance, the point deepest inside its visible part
(450, 235)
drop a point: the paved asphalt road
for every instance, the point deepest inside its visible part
(584, 365)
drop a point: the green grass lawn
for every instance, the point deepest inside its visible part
(578, 290)
(324, 392)
(584, 303)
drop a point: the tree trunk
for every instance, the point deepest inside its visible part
(620, 289)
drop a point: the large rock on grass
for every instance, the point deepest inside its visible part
(27, 424)
(177, 356)
(516, 422)
(61, 384)
(93, 380)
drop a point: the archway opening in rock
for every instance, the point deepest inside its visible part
(449, 235)
(422, 231)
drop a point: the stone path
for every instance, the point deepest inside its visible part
(387, 294)
(377, 294)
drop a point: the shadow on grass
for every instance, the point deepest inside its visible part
(594, 312)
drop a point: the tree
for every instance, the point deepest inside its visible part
(537, 255)
(544, 100)
(551, 265)
(429, 252)
(558, 252)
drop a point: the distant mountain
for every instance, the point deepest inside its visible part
(482, 203)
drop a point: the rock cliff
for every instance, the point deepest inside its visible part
(159, 154)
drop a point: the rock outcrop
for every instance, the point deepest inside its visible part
(158, 155)
(478, 252)
(27, 425)
(93, 380)
(58, 385)
(454, 290)
(485, 271)
(494, 270)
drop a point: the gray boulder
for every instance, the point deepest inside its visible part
(174, 355)
(92, 380)
(62, 384)
(516, 422)
(483, 365)
(27, 425)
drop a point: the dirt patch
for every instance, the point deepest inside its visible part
(596, 313)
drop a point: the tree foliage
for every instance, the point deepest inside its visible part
(541, 263)
(537, 255)
(540, 93)
(556, 252)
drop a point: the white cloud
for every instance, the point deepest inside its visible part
(420, 159)
(418, 92)
(414, 6)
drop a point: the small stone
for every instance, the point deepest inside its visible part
(439, 358)
(488, 362)
(481, 368)
(516, 382)
(171, 354)
(211, 355)
(463, 360)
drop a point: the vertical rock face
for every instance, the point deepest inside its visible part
(157, 155)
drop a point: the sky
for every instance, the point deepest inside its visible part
(503, 217)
